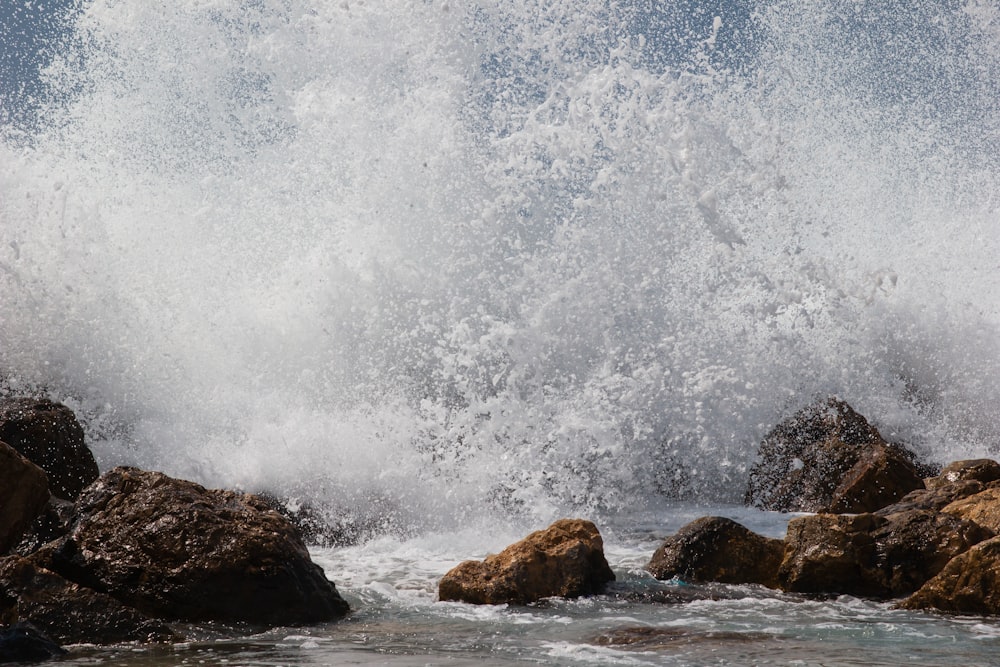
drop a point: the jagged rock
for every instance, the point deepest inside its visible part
(968, 584)
(23, 643)
(175, 550)
(24, 491)
(872, 555)
(48, 435)
(982, 508)
(828, 458)
(565, 560)
(71, 613)
(51, 524)
(934, 499)
(718, 549)
(979, 470)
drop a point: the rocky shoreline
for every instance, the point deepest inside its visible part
(137, 556)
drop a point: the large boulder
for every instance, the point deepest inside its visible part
(24, 491)
(721, 550)
(48, 435)
(968, 584)
(565, 560)
(71, 613)
(175, 550)
(828, 458)
(872, 555)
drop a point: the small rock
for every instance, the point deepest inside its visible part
(23, 642)
(48, 435)
(564, 560)
(979, 470)
(23, 493)
(721, 550)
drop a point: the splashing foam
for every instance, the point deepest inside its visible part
(528, 258)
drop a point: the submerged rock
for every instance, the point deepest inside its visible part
(968, 584)
(721, 550)
(175, 550)
(564, 560)
(22, 642)
(24, 491)
(828, 458)
(48, 435)
(71, 613)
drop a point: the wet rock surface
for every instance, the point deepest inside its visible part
(24, 643)
(48, 435)
(24, 491)
(968, 584)
(175, 550)
(718, 549)
(565, 560)
(828, 458)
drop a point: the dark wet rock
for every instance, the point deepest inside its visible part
(71, 613)
(175, 550)
(22, 643)
(968, 584)
(565, 560)
(23, 493)
(48, 435)
(979, 470)
(51, 524)
(8, 608)
(721, 550)
(828, 458)
(871, 555)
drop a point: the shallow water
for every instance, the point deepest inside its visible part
(391, 585)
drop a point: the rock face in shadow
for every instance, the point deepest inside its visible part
(24, 491)
(718, 549)
(24, 643)
(565, 560)
(73, 614)
(968, 584)
(175, 550)
(48, 435)
(828, 458)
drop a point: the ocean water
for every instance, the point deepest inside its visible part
(446, 271)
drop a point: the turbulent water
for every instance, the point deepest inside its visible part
(430, 265)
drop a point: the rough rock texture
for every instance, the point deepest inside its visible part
(934, 499)
(175, 550)
(718, 549)
(70, 613)
(982, 508)
(566, 560)
(828, 458)
(831, 553)
(968, 584)
(48, 435)
(979, 470)
(24, 491)
(51, 524)
(872, 555)
(24, 643)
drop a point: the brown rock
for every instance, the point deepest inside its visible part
(872, 555)
(721, 550)
(934, 499)
(832, 554)
(979, 470)
(828, 458)
(175, 550)
(982, 508)
(565, 560)
(48, 435)
(968, 584)
(23, 493)
(72, 614)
